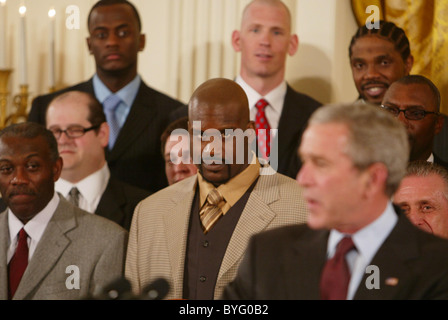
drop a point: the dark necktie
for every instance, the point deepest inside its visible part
(18, 263)
(73, 196)
(263, 128)
(110, 106)
(211, 212)
(336, 273)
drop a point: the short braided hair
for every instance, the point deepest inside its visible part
(389, 31)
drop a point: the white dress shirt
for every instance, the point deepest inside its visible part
(34, 228)
(367, 241)
(90, 188)
(275, 98)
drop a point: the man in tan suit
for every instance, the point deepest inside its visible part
(49, 249)
(171, 236)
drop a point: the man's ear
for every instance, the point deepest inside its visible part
(375, 178)
(439, 124)
(89, 46)
(103, 134)
(293, 45)
(236, 38)
(408, 64)
(57, 169)
(142, 42)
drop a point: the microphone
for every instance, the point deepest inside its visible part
(156, 290)
(118, 289)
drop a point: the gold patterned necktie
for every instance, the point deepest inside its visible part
(211, 212)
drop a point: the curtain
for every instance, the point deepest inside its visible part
(426, 25)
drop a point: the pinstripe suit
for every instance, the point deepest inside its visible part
(159, 228)
(72, 237)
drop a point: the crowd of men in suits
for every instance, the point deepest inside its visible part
(89, 181)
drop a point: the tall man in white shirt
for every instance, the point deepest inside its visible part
(355, 244)
(265, 40)
(49, 249)
(78, 122)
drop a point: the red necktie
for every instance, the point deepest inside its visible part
(261, 122)
(18, 263)
(336, 274)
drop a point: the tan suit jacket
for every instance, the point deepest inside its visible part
(73, 237)
(158, 235)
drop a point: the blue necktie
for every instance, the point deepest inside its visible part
(110, 107)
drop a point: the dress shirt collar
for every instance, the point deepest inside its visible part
(275, 97)
(34, 228)
(370, 238)
(91, 187)
(127, 93)
(235, 188)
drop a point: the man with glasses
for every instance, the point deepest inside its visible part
(415, 101)
(78, 122)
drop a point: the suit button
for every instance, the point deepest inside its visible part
(202, 278)
(205, 244)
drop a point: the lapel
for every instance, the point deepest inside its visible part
(256, 216)
(176, 222)
(111, 202)
(4, 234)
(49, 249)
(138, 120)
(393, 260)
(302, 273)
(86, 86)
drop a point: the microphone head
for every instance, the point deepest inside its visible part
(156, 290)
(118, 289)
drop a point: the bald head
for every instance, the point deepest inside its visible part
(95, 113)
(215, 108)
(220, 95)
(272, 3)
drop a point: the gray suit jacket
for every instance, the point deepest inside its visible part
(73, 237)
(158, 236)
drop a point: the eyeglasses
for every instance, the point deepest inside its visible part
(72, 131)
(410, 114)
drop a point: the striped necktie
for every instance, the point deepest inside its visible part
(211, 212)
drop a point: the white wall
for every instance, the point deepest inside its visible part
(188, 41)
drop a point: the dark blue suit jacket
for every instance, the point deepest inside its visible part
(286, 264)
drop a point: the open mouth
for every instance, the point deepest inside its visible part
(375, 90)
